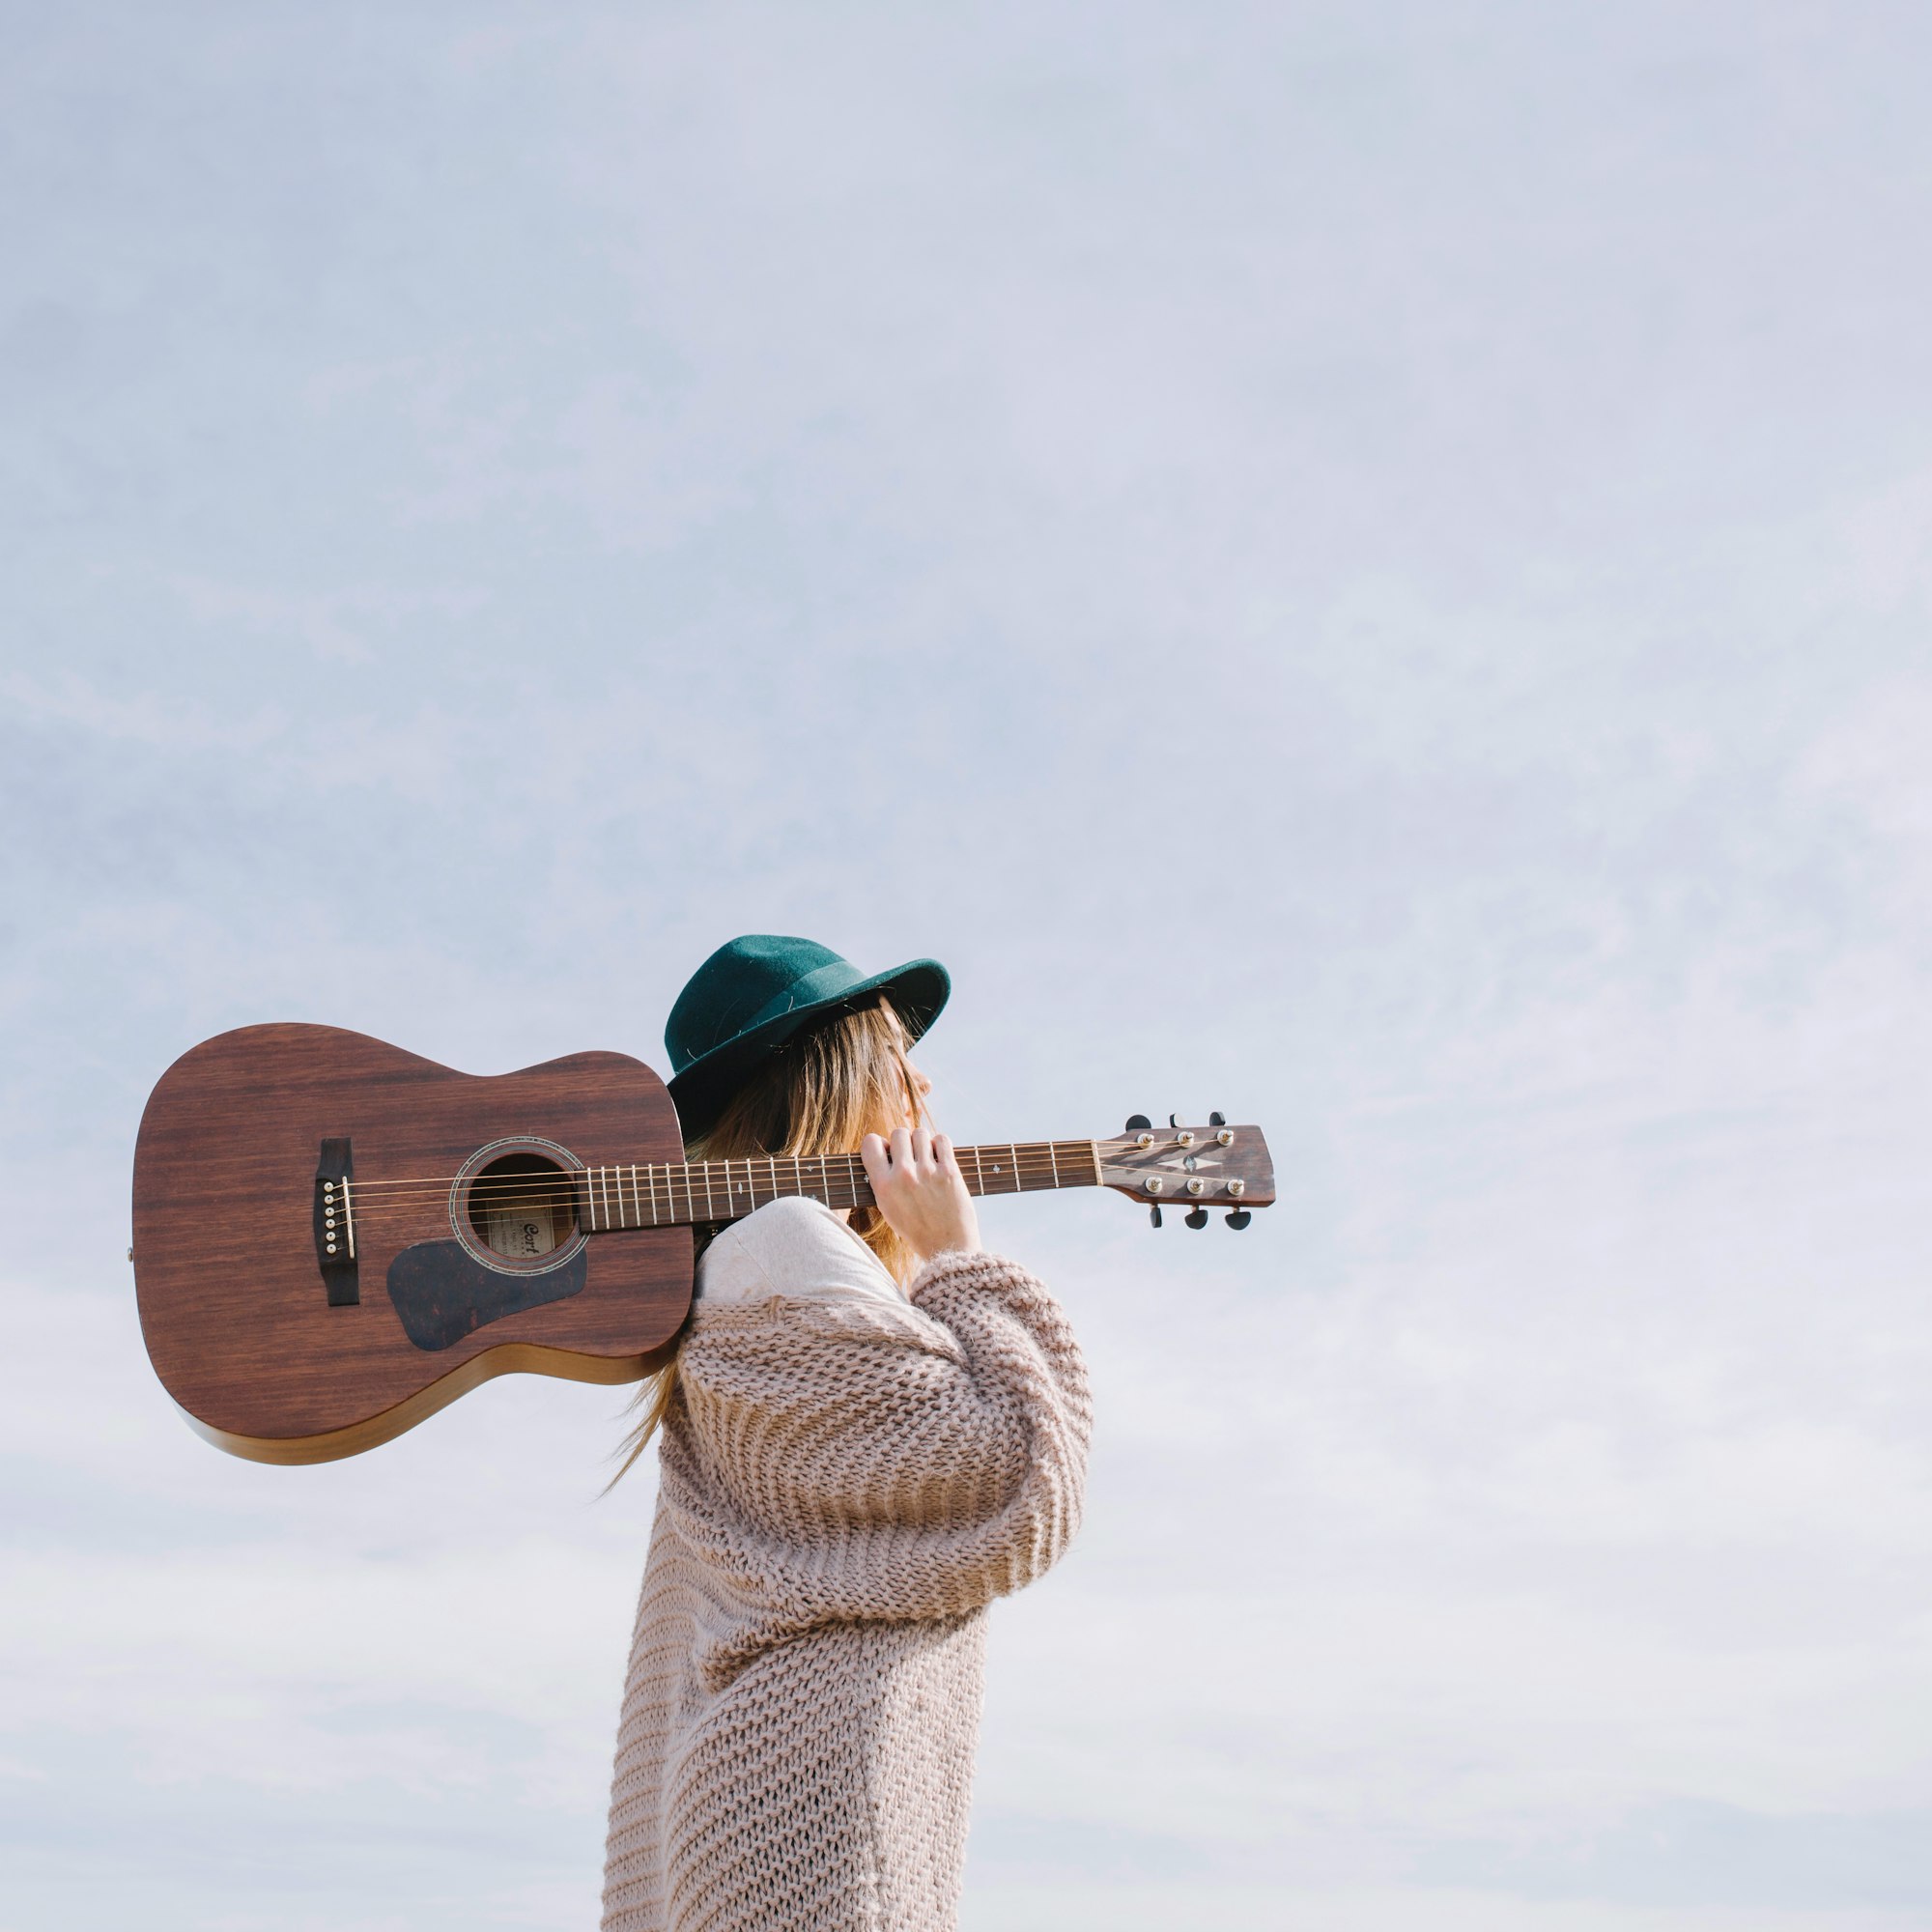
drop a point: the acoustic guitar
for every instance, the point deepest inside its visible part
(333, 1239)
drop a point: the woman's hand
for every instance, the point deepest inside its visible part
(918, 1186)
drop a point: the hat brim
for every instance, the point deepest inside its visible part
(918, 991)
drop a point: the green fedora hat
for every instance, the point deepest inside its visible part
(758, 990)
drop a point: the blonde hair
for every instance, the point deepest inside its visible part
(820, 1093)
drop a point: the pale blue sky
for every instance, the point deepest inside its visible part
(1365, 565)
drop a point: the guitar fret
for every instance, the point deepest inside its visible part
(771, 1161)
(1015, 1153)
(1054, 1159)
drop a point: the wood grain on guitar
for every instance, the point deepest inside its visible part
(334, 1239)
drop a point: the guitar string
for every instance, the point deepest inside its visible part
(658, 1196)
(513, 1183)
(659, 1188)
(628, 1204)
(1011, 1151)
(1037, 1170)
(539, 1186)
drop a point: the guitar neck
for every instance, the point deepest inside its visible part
(643, 1196)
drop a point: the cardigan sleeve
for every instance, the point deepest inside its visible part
(843, 1464)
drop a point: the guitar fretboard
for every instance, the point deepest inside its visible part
(643, 1196)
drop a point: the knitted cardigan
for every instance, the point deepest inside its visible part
(843, 1492)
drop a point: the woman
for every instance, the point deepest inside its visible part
(870, 1430)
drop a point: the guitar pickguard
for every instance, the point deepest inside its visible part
(442, 1293)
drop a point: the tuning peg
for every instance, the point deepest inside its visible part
(1217, 1120)
(1153, 1213)
(1198, 1218)
(1174, 1119)
(1238, 1218)
(1135, 1122)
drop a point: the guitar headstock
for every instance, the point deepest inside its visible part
(1195, 1168)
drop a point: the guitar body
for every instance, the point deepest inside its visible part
(320, 1260)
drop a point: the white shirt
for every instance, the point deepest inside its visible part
(793, 1247)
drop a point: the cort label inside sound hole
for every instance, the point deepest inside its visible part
(522, 1206)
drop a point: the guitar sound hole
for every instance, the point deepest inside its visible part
(522, 1206)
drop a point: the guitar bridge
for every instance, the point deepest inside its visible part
(335, 1224)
